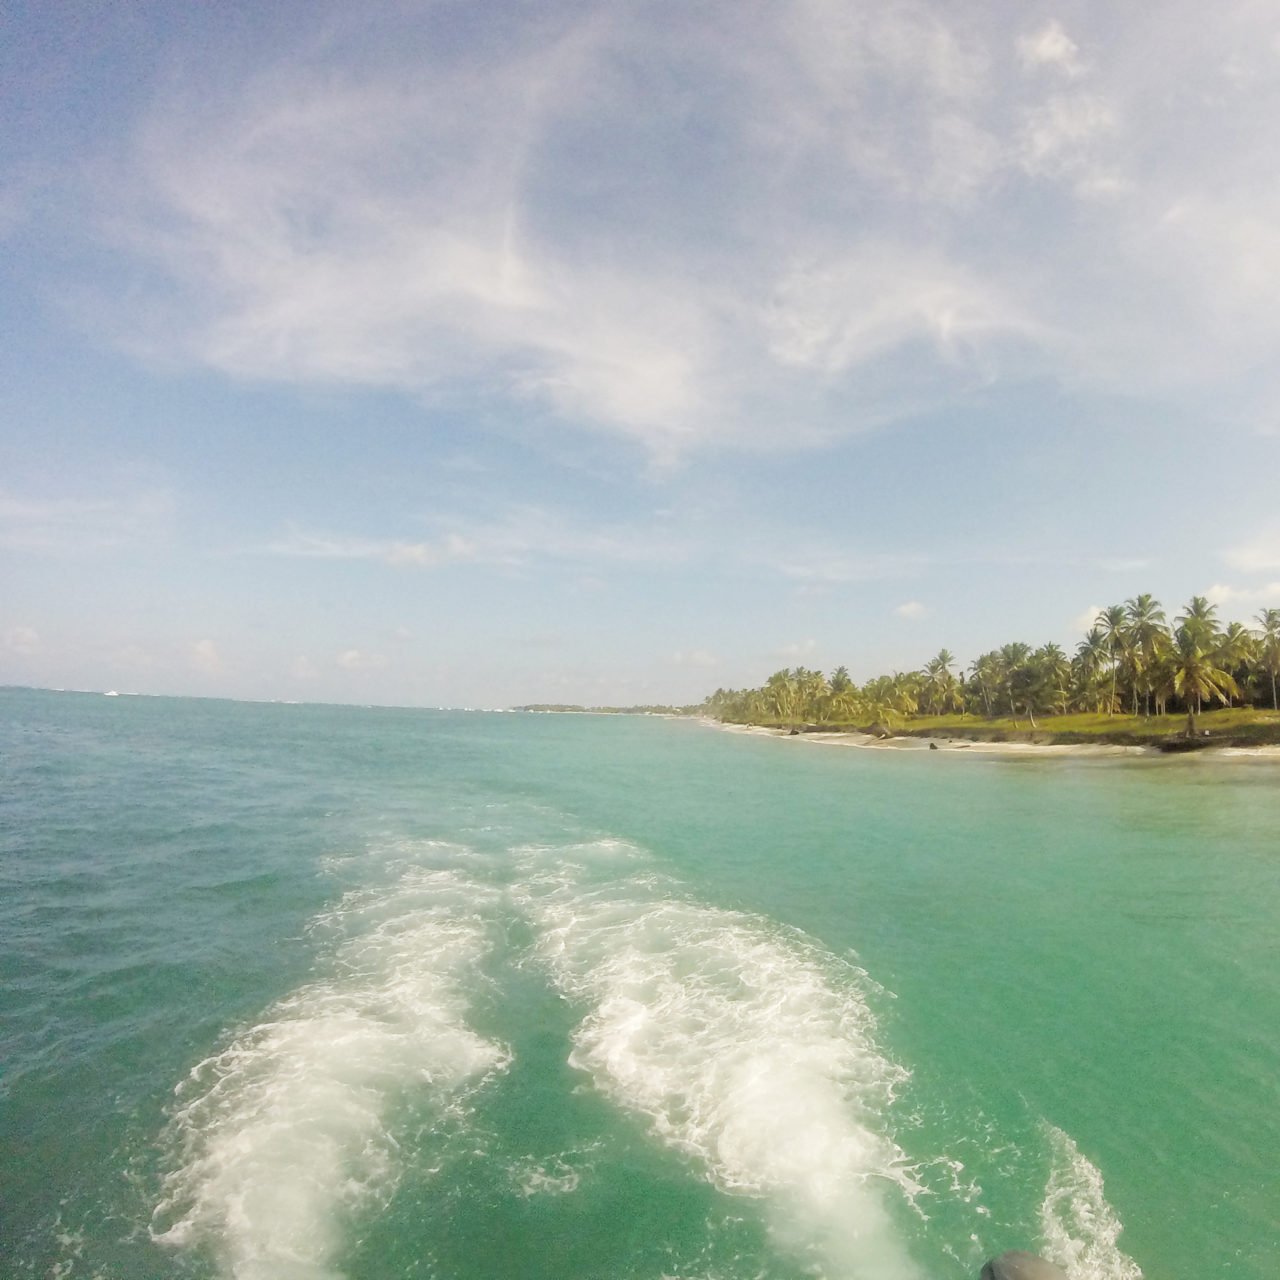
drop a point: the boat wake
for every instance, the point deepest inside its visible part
(743, 1046)
(283, 1136)
(728, 1038)
(1079, 1227)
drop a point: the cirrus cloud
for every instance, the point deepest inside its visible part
(833, 217)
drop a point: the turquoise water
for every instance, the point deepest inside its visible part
(300, 992)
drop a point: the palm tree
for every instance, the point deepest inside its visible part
(1201, 620)
(1269, 649)
(811, 693)
(1088, 670)
(1111, 622)
(940, 681)
(1012, 658)
(984, 674)
(878, 701)
(1053, 677)
(1092, 650)
(1235, 652)
(780, 694)
(1195, 677)
(1148, 637)
(847, 704)
(905, 695)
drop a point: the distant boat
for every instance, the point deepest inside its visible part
(111, 693)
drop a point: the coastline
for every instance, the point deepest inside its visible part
(1025, 749)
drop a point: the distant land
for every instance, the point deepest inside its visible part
(647, 710)
(1134, 680)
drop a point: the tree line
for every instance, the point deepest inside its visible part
(1131, 661)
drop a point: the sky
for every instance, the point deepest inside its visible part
(480, 354)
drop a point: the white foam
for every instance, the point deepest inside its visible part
(1079, 1227)
(283, 1135)
(556, 1176)
(738, 1044)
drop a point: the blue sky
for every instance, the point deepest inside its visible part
(467, 354)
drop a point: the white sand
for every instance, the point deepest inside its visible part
(866, 740)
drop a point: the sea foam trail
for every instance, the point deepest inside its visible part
(1079, 1227)
(737, 1046)
(283, 1135)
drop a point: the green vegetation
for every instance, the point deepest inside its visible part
(1133, 679)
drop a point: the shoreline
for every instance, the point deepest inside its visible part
(969, 746)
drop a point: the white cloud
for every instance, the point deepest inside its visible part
(1051, 47)
(912, 610)
(303, 668)
(517, 223)
(22, 640)
(1060, 139)
(205, 657)
(1266, 596)
(694, 658)
(1086, 619)
(356, 660)
(797, 649)
(1258, 556)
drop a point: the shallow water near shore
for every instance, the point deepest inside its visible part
(303, 991)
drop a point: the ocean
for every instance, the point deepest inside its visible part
(291, 992)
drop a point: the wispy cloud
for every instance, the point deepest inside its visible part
(911, 610)
(1050, 47)
(817, 566)
(68, 525)
(525, 534)
(1061, 137)
(392, 551)
(845, 313)
(832, 217)
(1121, 564)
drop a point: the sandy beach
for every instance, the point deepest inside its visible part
(1024, 749)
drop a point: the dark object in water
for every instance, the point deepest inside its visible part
(933, 746)
(1180, 743)
(1016, 1265)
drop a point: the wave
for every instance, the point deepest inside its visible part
(281, 1137)
(1079, 1227)
(740, 1044)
